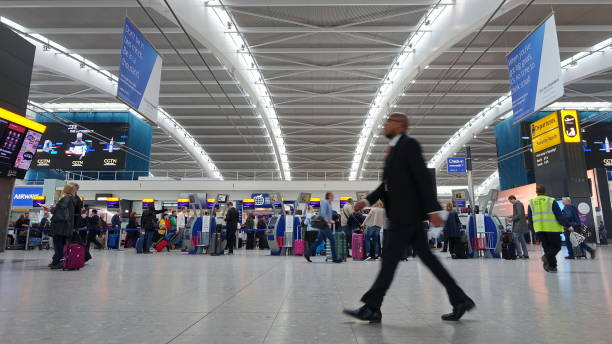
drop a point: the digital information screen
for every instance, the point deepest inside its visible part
(248, 203)
(19, 138)
(112, 203)
(315, 203)
(597, 143)
(182, 202)
(75, 148)
(147, 202)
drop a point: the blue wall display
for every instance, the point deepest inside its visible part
(22, 195)
(262, 200)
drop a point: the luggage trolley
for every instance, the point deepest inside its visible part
(483, 236)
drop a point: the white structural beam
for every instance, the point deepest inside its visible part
(208, 25)
(398, 29)
(442, 27)
(578, 67)
(54, 57)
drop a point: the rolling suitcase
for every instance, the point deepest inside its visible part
(74, 257)
(298, 247)
(113, 241)
(357, 250)
(139, 244)
(508, 250)
(340, 239)
(161, 245)
(215, 247)
(579, 252)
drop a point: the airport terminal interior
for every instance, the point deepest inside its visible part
(320, 171)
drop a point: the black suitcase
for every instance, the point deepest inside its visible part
(215, 248)
(461, 250)
(508, 251)
(250, 240)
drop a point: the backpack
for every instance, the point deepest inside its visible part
(61, 211)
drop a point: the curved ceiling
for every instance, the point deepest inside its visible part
(323, 63)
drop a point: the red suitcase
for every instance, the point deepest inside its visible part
(161, 245)
(74, 257)
(298, 247)
(357, 246)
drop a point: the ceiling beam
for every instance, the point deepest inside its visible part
(404, 29)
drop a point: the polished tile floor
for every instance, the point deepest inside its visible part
(121, 297)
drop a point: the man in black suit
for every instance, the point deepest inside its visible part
(409, 197)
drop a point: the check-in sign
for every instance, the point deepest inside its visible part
(456, 165)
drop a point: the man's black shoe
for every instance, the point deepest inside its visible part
(545, 263)
(365, 313)
(459, 310)
(307, 258)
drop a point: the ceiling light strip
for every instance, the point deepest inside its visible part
(381, 100)
(257, 80)
(165, 120)
(579, 66)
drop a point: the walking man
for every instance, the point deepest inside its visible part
(409, 198)
(325, 231)
(548, 222)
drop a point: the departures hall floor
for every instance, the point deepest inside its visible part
(121, 297)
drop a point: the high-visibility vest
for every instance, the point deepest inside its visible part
(542, 215)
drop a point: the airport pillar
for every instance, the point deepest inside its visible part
(559, 162)
(6, 198)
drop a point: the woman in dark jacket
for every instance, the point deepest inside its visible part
(452, 229)
(132, 235)
(250, 224)
(261, 235)
(62, 224)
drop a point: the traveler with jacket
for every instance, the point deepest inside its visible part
(62, 224)
(410, 197)
(93, 230)
(519, 227)
(231, 222)
(374, 222)
(148, 221)
(349, 222)
(570, 212)
(452, 230)
(548, 222)
(311, 232)
(325, 212)
(249, 225)
(131, 234)
(262, 240)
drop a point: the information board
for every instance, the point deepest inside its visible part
(139, 72)
(19, 138)
(456, 165)
(534, 68)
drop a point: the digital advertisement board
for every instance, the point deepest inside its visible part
(23, 195)
(19, 138)
(597, 145)
(73, 147)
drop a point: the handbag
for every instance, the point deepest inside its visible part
(318, 222)
(576, 239)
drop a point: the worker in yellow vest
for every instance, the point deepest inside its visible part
(548, 221)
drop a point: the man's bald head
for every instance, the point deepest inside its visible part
(397, 124)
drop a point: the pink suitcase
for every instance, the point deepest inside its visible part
(298, 247)
(357, 247)
(74, 257)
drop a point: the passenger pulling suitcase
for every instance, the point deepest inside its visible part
(357, 243)
(74, 257)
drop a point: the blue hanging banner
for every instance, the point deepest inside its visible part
(534, 70)
(139, 72)
(456, 165)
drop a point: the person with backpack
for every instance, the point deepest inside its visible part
(148, 221)
(62, 224)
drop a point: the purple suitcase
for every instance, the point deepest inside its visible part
(74, 257)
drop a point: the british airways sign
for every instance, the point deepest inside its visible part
(22, 195)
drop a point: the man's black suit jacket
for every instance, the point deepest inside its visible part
(407, 189)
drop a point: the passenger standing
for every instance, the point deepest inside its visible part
(93, 229)
(23, 224)
(62, 224)
(262, 239)
(132, 232)
(452, 230)
(548, 222)
(311, 232)
(181, 223)
(603, 234)
(374, 223)
(249, 226)
(570, 212)
(44, 222)
(231, 222)
(349, 221)
(519, 227)
(409, 197)
(148, 221)
(325, 212)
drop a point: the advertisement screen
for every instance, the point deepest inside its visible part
(75, 148)
(597, 143)
(19, 138)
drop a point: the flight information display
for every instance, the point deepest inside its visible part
(19, 138)
(597, 143)
(73, 147)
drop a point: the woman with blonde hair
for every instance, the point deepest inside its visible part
(62, 224)
(373, 224)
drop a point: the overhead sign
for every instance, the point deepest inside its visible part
(571, 126)
(139, 72)
(182, 202)
(112, 203)
(545, 132)
(456, 165)
(534, 69)
(23, 195)
(37, 201)
(148, 202)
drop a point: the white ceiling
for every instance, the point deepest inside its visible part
(322, 62)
